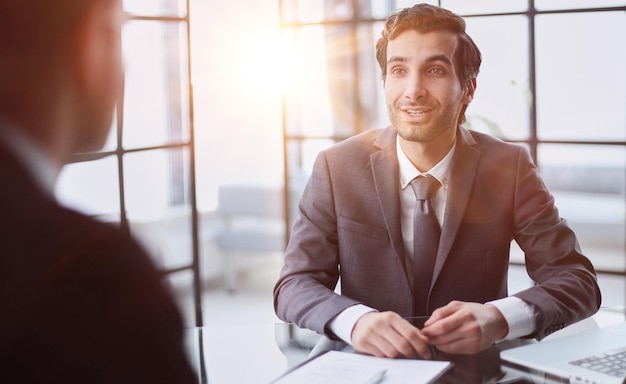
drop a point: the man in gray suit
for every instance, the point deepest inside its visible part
(356, 218)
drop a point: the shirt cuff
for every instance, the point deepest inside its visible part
(343, 324)
(519, 315)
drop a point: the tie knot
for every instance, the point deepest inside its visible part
(424, 187)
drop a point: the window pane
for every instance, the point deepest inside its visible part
(588, 184)
(409, 3)
(111, 143)
(302, 154)
(337, 9)
(484, 6)
(156, 187)
(341, 71)
(156, 97)
(381, 116)
(371, 111)
(375, 9)
(238, 82)
(322, 54)
(288, 11)
(180, 284)
(91, 187)
(167, 238)
(155, 181)
(581, 72)
(575, 4)
(155, 8)
(312, 11)
(502, 101)
(303, 11)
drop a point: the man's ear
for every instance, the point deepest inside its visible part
(470, 89)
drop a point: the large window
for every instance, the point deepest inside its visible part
(553, 78)
(143, 179)
(200, 109)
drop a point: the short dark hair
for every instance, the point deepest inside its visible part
(427, 18)
(39, 25)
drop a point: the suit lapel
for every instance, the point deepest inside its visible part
(386, 180)
(462, 175)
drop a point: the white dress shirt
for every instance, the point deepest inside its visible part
(518, 314)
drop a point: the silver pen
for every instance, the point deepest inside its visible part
(377, 378)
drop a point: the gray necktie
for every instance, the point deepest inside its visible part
(426, 232)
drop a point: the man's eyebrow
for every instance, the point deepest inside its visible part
(443, 58)
(403, 59)
(397, 59)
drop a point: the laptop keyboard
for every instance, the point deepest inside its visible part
(610, 363)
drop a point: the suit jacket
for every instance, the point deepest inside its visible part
(349, 228)
(80, 302)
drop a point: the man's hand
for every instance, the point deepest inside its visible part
(387, 334)
(461, 327)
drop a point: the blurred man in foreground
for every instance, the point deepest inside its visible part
(80, 302)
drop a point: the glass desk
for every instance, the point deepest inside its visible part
(260, 353)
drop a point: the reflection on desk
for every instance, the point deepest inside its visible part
(479, 368)
(259, 353)
(236, 354)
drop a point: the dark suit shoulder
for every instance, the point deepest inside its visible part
(493, 149)
(80, 300)
(489, 142)
(361, 145)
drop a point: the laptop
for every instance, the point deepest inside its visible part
(592, 356)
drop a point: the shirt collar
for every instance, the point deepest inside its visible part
(408, 171)
(40, 166)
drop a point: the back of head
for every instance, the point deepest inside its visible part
(37, 29)
(37, 24)
(426, 18)
(52, 54)
(34, 36)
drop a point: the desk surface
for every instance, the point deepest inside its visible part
(259, 353)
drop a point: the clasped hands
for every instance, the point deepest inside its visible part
(456, 328)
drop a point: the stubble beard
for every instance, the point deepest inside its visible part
(419, 133)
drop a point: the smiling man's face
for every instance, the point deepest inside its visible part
(422, 90)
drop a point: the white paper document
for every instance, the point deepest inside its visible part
(336, 367)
